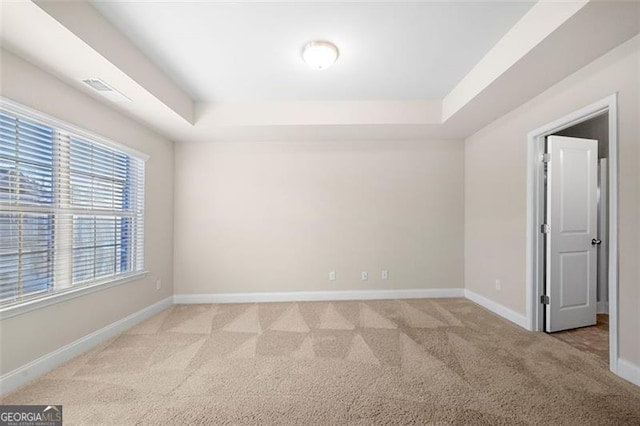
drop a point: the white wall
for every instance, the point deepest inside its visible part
(270, 217)
(31, 335)
(495, 187)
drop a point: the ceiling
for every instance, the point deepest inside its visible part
(210, 71)
(251, 51)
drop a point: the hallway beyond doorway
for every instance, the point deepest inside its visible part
(594, 339)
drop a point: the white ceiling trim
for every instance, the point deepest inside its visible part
(318, 113)
(536, 25)
(89, 26)
(486, 94)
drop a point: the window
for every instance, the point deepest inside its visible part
(71, 207)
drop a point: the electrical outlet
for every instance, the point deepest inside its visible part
(385, 274)
(364, 276)
(158, 284)
(332, 275)
(498, 285)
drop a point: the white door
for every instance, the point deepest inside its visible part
(572, 216)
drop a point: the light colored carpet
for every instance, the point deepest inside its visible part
(444, 361)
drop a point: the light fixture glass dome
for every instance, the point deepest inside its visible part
(320, 55)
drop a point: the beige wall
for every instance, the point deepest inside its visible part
(270, 217)
(31, 335)
(495, 187)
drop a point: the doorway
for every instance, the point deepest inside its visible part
(576, 261)
(572, 266)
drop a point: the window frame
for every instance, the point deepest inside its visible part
(30, 303)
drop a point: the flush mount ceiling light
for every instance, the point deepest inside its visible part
(320, 55)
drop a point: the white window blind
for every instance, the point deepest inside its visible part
(71, 209)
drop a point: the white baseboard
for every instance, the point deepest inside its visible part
(603, 307)
(628, 371)
(498, 309)
(20, 376)
(308, 296)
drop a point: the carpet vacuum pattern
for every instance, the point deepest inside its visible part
(441, 362)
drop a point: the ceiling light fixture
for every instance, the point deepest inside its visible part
(320, 55)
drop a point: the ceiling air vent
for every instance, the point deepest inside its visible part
(105, 90)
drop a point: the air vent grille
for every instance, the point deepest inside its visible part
(105, 90)
(97, 84)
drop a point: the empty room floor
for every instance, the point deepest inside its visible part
(442, 361)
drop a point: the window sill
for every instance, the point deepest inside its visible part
(22, 307)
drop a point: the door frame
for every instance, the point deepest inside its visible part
(535, 215)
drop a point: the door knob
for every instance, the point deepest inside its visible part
(596, 242)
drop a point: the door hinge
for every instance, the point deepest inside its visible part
(544, 299)
(545, 158)
(545, 228)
